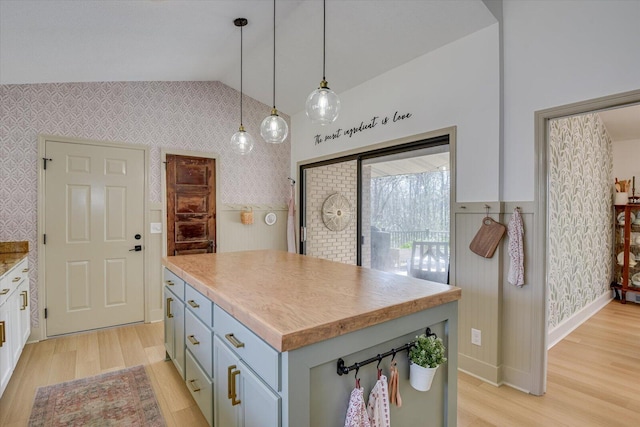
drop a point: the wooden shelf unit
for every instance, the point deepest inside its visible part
(623, 242)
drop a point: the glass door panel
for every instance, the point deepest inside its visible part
(406, 213)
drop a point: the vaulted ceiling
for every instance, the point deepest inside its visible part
(44, 41)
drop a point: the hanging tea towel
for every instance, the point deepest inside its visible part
(357, 411)
(515, 231)
(378, 407)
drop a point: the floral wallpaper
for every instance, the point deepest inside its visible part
(580, 214)
(198, 116)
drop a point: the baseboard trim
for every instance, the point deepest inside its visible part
(479, 369)
(565, 328)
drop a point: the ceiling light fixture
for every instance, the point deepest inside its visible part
(274, 129)
(241, 141)
(323, 105)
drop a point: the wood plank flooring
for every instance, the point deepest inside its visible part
(83, 355)
(593, 376)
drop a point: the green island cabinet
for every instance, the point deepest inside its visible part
(261, 334)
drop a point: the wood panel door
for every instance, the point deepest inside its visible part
(191, 205)
(94, 225)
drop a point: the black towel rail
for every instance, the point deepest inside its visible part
(343, 370)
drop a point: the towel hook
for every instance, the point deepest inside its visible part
(486, 209)
(393, 354)
(356, 375)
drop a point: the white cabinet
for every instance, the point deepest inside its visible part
(174, 320)
(15, 325)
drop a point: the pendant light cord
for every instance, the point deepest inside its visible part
(274, 54)
(241, 76)
(324, 36)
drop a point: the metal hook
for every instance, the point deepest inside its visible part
(356, 375)
(486, 208)
(379, 360)
(393, 352)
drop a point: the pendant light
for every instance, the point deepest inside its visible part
(323, 105)
(274, 129)
(241, 141)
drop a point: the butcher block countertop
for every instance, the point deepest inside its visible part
(292, 300)
(11, 253)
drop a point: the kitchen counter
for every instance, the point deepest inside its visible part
(312, 314)
(11, 253)
(291, 300)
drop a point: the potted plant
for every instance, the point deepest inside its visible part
(427, 353)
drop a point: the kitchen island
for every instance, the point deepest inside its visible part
(279, 322)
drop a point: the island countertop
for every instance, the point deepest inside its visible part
(292, 300)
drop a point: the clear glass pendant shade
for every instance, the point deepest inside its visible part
(242, 142)
(323, 105)
(274, 129)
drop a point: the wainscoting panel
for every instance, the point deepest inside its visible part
(517, 307)
(153, 249)
(235, 236)
(480, 280)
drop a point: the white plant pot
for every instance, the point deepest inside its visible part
(420, 378)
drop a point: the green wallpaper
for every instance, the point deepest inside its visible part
(580, 214)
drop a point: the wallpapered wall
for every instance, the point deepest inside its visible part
(198, 116)
(580, 214)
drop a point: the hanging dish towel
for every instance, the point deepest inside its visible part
(516, 249)
(394, 385)
(357, 412)
(378, 407)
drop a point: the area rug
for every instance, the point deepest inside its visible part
(120, 398)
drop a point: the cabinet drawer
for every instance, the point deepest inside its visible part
(199, 340)
(22, 269)
(256, 353)
(200, 305)
(200, 387)
(174, 283)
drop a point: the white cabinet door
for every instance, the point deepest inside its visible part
(13, 330)
(260, 407)
(6, 352)
(24, 313)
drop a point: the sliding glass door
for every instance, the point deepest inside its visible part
(387, 209)
(405, 213)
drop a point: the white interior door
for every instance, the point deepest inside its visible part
(94, 219)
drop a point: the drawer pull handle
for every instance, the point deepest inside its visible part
(194, 387)
(3, 337)
(193, 340)
(193, 304)
(4, 291)
(231, 377)
(169, 282)
(25, 300)
(16, 279)
(233, 340)
(169, 315)
(25, 270)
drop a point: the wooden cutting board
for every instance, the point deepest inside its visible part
(487, 238)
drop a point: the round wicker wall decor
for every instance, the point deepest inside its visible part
(336, 212)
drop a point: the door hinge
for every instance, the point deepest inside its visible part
(44, 239)
(44, 162)
(46, 313)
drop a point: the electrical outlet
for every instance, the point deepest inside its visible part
(476, 336)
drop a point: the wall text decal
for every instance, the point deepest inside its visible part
(370, 124)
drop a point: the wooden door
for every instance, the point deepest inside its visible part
(94, 227)
(191, 205)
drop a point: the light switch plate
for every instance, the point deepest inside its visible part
(156, 227)
(476, 336)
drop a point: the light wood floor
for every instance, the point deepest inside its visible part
(593, 376)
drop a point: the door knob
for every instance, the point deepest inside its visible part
(136, 248)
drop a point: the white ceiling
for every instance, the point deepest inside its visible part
(623, 124)
(44, 41)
